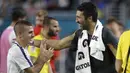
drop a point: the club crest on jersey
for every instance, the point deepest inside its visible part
(81, 55)
(84, 43)
(82, 66)
(94, 38)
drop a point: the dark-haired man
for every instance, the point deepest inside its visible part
(92, 43)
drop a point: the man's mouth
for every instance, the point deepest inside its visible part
(56, 33)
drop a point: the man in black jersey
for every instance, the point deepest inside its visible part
(86, 16)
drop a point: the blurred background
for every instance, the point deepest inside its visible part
(64, 11)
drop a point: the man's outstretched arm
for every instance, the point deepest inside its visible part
(57, 44)
(61, 44)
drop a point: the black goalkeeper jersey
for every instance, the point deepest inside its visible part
(97, 66)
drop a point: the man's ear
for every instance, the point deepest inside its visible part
(90, 18)
(46, 27)
(20, 35)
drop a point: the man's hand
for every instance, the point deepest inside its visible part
(118, 65)
(45, 53)
(43, 57)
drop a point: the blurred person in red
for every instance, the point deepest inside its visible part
(50, 30)
(39, 21)
(115, 26)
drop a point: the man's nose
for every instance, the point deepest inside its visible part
(77, 20)
(58, 29)
(33, 35)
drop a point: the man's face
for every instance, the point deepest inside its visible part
(53, 28)
(27, 34)
(39, 20)
(121, 29)
(80, 19)
(115, 27)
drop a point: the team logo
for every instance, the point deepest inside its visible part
(82, 66)
(95, 38)
(81, 55)
(84, 43)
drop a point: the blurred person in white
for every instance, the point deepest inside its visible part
(30, 8)
(18, 58)
(115, 26)
(8, 36)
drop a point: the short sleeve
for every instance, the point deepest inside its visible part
(22, 60)
(109, 38)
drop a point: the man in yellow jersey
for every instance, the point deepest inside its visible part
(122, 53)
(51, 28)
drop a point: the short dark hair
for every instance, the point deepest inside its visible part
(121, 24)
(17, 13)
(89, 9)
(47, 21)
(21, 23)
(112, 19)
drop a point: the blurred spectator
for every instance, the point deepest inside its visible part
(30, 8)
(39, 21)
(121, 27)
(100, 3)
(115, 26)
(8, 37)
(59, 4)
(1, 23)
(63, 3)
